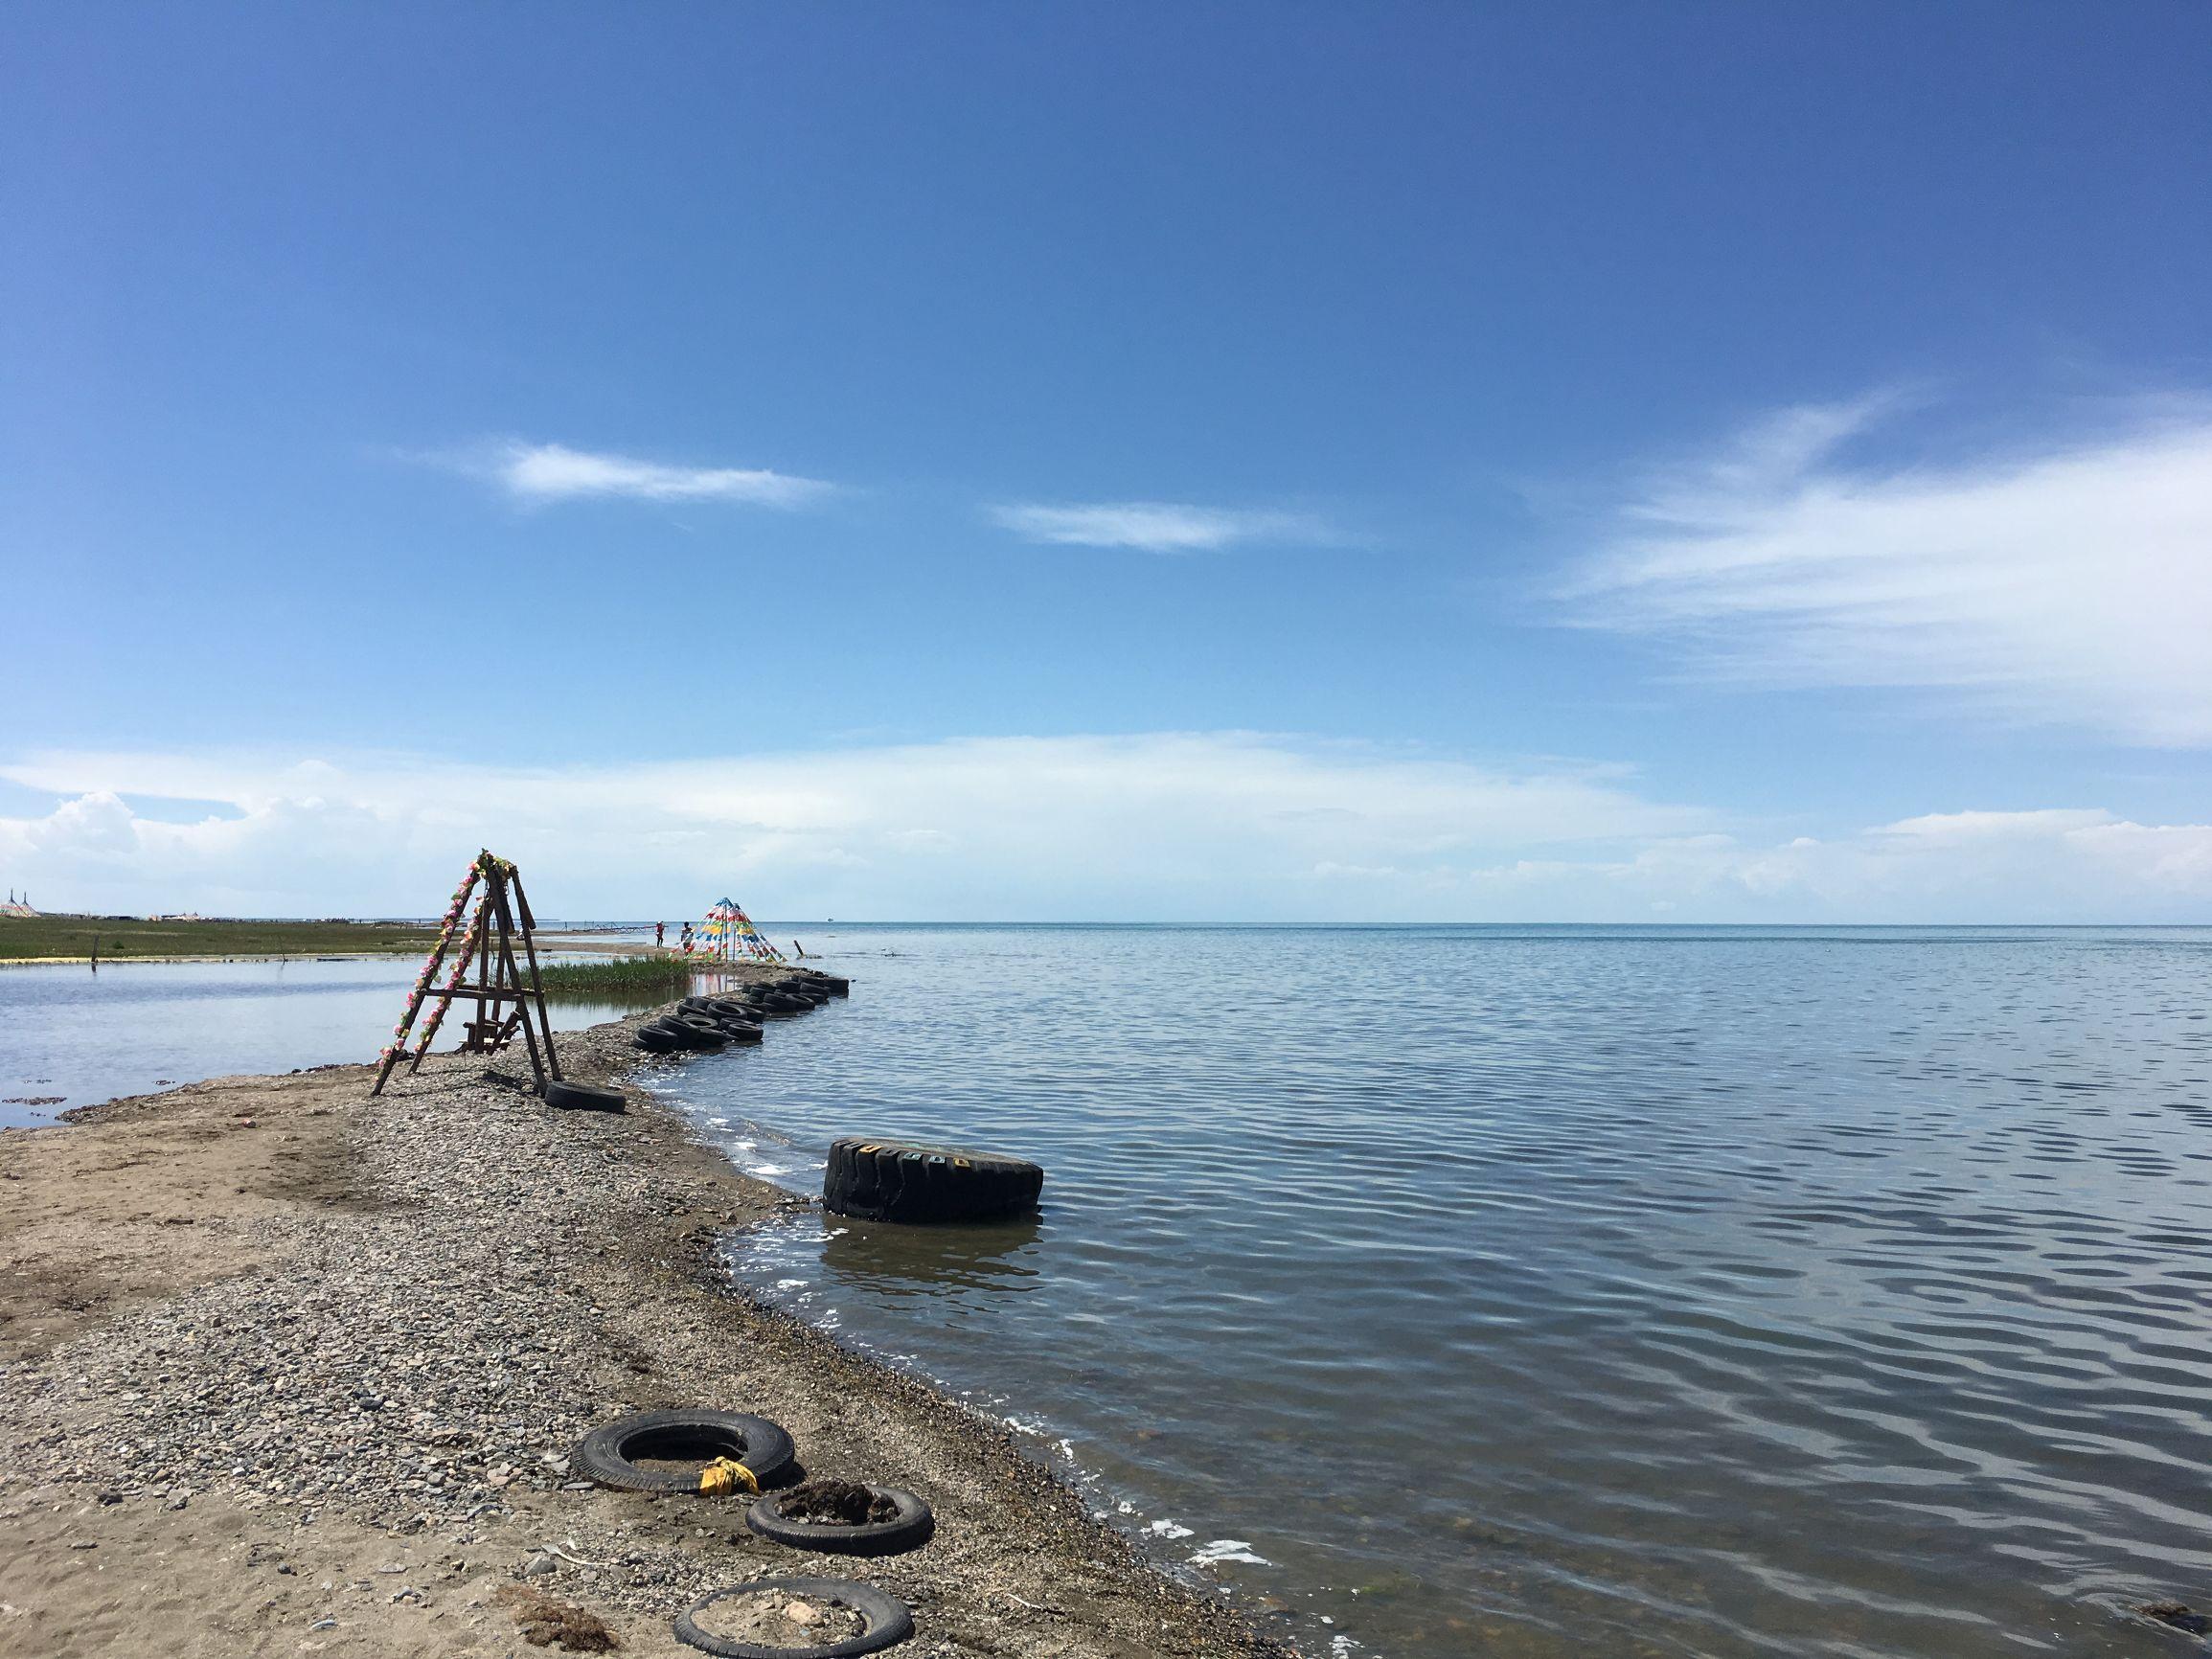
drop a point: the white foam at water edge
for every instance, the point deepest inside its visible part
(1167, 1528)
(1228, 1550)
(1342, 1646)
(765, 1170)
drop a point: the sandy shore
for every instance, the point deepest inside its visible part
(287, 1370)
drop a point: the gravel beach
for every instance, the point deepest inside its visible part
(286, 1369)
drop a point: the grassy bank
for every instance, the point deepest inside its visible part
(27, 937)
(622, 976)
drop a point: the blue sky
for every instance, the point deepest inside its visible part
(1187, 462)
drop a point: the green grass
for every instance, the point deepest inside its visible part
(622, 976)
(122, 937)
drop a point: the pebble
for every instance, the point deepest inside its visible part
(352, 1378)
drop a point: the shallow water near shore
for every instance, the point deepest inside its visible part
(70, 1037)
(1548, 1291)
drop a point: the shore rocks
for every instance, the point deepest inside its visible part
(424, 1299)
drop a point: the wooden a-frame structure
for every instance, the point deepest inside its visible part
(504, 1003)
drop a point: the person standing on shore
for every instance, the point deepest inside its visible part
(660, 932)
(685, 941)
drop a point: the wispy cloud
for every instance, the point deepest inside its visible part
(545, 472)
(2069, 584)
(1153, 526)
(1153, 827)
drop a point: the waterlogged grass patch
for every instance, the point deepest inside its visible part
(651, 976)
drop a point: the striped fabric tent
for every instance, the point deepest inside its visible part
(729, 935)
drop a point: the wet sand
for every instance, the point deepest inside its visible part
(287, 1370)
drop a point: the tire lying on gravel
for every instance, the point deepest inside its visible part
(909, 1528)
(657, 1038)
(883, 1620)
(895, 1181)
(584, 1098)
(609, 1455)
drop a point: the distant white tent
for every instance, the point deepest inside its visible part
(18, 906)
(728, 935)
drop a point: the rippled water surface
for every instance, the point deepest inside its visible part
(1559, 1291)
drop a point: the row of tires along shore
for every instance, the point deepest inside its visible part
(714, 1022)
(871, 1178)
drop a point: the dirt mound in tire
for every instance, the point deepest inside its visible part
(836, 1503)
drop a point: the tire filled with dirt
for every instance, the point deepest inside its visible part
(844, 1517)
(882, 1619)
(896, 1181)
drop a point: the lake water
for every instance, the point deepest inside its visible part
(1548, 1291)
(133, 1027)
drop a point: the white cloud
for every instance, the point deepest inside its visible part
(1161, 825)
(1153, 526)
(541, 472)
(2051, 866)
(2072, 585)
(1158, 827)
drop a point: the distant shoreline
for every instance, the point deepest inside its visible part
(60, 941)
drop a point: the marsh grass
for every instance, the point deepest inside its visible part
(120, 938)
(622, 976)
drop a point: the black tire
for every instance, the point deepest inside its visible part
(729, 1008)
(655, 1039)
(584, 1098)
(784, 1007)
(697, 1004)
(700, 1033)
(743, 1035)
(895, 1181)
(607, 1455)
(883, 1620)
(909, 1530)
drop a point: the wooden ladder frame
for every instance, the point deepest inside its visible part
(504, 1004)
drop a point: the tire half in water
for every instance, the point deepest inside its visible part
(898, 1181)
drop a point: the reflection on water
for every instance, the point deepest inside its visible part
(926, 1263)
(1544, 1291)
(70, 1037)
